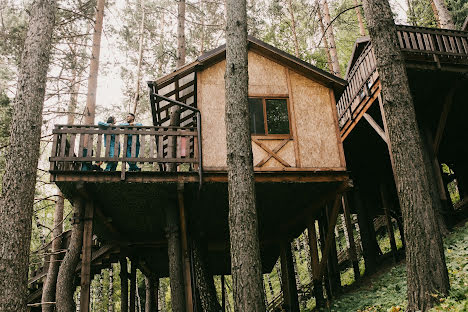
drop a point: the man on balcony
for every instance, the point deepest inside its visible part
(131, 122)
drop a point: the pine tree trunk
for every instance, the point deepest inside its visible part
(362, 29)
(425, 261)
(152, 287)
(175, 259)
(331, 39)
(293, 28)
(181, 47)
(123, 284)
(90, 111)
(204, 279)
(243, 225)
(48, 289)
(19, 179)
(442, 14)
(324, 38)
(66, 275)
(140, 57)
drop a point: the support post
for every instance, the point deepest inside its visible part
(313, 248)
(386, 208)
(185, 248)
(152, 287)
(86, 257)
(290, 297)
(223, 294)
(349, 233)
(123, 285)
(132, 286)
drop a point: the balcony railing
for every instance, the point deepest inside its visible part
(438, 46)
(87, 148)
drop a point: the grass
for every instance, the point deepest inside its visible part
(387, 291)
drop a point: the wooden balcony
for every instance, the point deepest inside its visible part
(423, 49)
(82, 152)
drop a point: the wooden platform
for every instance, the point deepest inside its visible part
(130, 213)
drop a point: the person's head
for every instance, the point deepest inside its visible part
(130, 118)
(111, 120)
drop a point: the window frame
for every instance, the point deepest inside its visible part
(264, 98)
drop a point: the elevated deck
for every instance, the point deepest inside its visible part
(424, 49)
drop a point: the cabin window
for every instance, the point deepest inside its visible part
(268, 116)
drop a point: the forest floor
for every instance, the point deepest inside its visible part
(386, 290)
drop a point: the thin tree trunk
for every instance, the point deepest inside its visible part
(442, 14)
(362, 29)
(19, 179)
(66, 275)
(152, 286)
(181, 46)
(246, 267)
(425, 261)
(136, 98)
(175, 259)
(133, 286)
(331, 39)
(48, 290)
(123, 284)
(324, 38)
(293, 28)
(90, 111)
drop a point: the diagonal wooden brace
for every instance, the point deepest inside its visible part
(272, 153)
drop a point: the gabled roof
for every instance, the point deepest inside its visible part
(308, 70)
(358, 47)
(465, 24)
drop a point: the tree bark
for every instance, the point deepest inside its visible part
(175, 260)
(19, 179)
(293, 28)
(246, 267)
(324, 38)
(133, 286)
(442, 14)
(66, 275)
(152, 289)
(425, 261)
(362, 29)
(331, 39)
(181, 47)
(111, 289)
(140, 58)
(90, 111)
(48, 289)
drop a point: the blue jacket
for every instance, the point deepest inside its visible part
(129, 139)
(105, 125)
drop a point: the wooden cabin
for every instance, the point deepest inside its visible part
(298, 158)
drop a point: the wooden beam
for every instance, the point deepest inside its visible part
(349, 232)
(290, 297)
(376, 127)
(185, 249)
(313, 249)
(123, 284)
(330, 233)
(86, 257)
(269, 151)
(448, 101)
(133, 285)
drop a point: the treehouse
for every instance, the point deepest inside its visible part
(298, 160)
(437, 65)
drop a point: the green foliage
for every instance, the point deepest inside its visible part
(420, 13)
(459, 11)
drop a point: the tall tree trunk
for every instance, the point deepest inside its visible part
(204, 279)
(90, 111)
(181, 46)
(331, 39)
(324, 38)
(136, 98)
(425, 261)
(123, 284)
(48, 290)
(66, 275)
(19, 179)
(246, 267)
(293, 28)
(152, 289)
(362, 29)
(133, 285)
(442, 14)
(175, 259)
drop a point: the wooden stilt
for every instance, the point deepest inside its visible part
(123, 285)
(313, 248)
(386, 208)
(152, 286)
(290, 297)
(223, 294)
(86, 257)
(349, 233)
(185, 248)
(333, 255)
(324, 274)
(132, 286)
